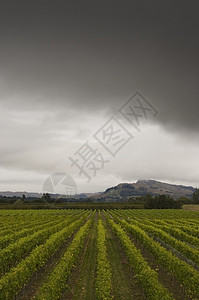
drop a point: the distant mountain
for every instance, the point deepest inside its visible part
(39, 195)
(20, 194)
(142, 187)
(123, 191)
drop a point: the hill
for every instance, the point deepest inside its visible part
(142, 187)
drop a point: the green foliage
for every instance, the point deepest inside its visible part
(161, 202)
(103, 280)
(56, 281)
(196, 196)
(185, 249)
(12, 282)
(46, 198)
(19, 249)
(147, 277)
(18, 202)
(184, 273)
(30, 238)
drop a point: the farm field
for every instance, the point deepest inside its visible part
(85, 254)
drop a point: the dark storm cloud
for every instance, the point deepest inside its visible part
(94, 54)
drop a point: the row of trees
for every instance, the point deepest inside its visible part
(164, 201)
(195, 197)
(161, 202)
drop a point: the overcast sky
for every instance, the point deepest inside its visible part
(67, 67)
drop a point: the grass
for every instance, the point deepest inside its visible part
(191, 207)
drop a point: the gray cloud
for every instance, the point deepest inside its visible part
(66, 67)
(92, 55)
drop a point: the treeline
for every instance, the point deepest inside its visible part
(146, 201)
(45, 199)
(162, 202)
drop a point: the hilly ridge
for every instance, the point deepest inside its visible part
(142, 187)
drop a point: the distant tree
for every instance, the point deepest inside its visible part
(184, 200)
(23, 198)
(147, 198)
(149, 201)
(46, 197)
(195, 196)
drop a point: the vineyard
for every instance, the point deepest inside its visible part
(107, 254)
